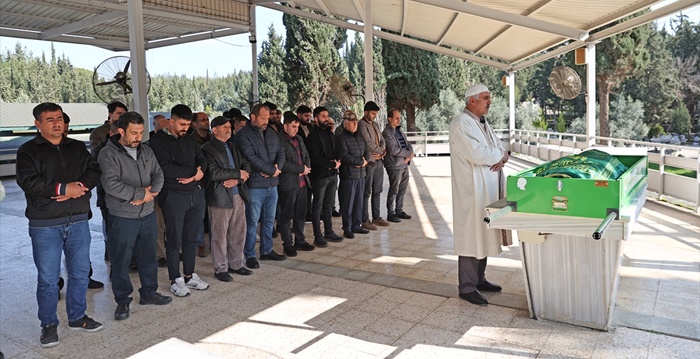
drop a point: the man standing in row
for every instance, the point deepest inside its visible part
(56, 174)
(294, 182)
(132, 179)
(324, 167)
(227, 194)
(374, 182)
(99, 134)
(399, 154)
(260, 146)
(477, 161)
(182, 198)
(353, 153)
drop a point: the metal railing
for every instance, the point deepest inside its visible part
(548, 146)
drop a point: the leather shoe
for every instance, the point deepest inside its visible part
(93, 284)
(290, 251)
(486, 286)
(241, 271)
(332, 237)
(393, 218)
(360, 230)
(304, 246)
(403, 215)
(162, 262)
(348, 234)
(155, 299)
(369, 226)
(380, 222)
(319, 241)
(252, 263)
(122, 311)
(201, 251)
(224, 277)
(335, 213)
(475, 298)
(272, 256)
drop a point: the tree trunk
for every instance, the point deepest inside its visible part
(410, 117)
(604, 102)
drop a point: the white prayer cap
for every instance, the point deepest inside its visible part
(474, 90)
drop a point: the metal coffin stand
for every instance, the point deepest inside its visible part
(570, 277)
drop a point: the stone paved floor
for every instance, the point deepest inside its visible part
(389, 294)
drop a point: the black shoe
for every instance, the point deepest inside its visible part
(224, 277)
(474, 297)
(93, 284)
(332, 237)
(486, 286)
(360, 230)
(241, 271)
(60, 286)
(122, 311)
(319, 241)
(252, 263)
(272, 256)
(348, 234)
(162, 262)
(403, 215)
(49, 336)
(290, 251)
(155, 299)
(85, 324)
(304, 246)
(335, 213)
(393, 218)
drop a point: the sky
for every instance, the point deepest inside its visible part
(214, 57)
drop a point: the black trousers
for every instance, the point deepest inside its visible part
(374, 183)
(324, 195)
(471, 273)
(350, 195)
(398, 183)
(184, 217)
(292, 205)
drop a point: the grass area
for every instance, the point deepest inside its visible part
(675, 170)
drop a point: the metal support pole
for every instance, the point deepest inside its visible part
(138, 61)
(590, 94)
(369, 58)
(254, 56)
(511, 108)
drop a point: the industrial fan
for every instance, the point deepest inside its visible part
(565, 82)
(111, 80)
(343, 90)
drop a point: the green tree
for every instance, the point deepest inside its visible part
(656, 130)
(560, 125)
(685, 46)
(453, 74)
(617, 58)
(528, 116)
(499, 113)
(273, 86)
(312, 58)
(413, 79)
(439, 116)
(627, 119)
(680, 120)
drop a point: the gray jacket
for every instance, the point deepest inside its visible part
(395, 154)
(124, 180)
(373, 138)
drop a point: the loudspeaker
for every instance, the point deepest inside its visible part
(580, 56)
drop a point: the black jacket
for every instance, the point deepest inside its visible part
(179, 157)
(262, 149)
(43, 170)
(289, 179)
(219, 170)
(350, 149)
(321, 146)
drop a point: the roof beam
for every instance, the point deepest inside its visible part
(405, 16)
(323, 7)
(79, 25)
(359, 9)
(509, 18)
(33, 35)
(529, 11)
(185, 39)
(442, 38)
(389, 36)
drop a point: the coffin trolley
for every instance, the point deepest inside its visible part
(572, 232)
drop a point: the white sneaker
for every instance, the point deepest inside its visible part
(179, 288)
(197, 283)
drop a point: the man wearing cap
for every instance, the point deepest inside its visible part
(369, 129)
(477, 159)
(226, 194)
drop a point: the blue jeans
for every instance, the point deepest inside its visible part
(260, 200)
(47, 245)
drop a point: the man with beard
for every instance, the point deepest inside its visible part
(305, 126)
(202, 135)
(374, 182)
(182, 198)
(131, 179)
(324, 167)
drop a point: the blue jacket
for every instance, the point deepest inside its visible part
(263, 150)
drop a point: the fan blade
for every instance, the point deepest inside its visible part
(106, 83)
(127, 89)
(126, 67)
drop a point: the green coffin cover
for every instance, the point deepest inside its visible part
(591, 164)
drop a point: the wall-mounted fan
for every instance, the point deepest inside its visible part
(343, 90)
(112, 80)
(565, 82)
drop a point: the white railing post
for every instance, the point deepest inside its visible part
(661, 171)
(697, 180)
(425, 143)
